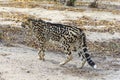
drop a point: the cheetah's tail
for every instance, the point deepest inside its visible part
(85, 53)
(88, 58)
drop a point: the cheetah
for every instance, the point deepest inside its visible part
(67, 36)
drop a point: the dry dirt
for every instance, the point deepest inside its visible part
(20, 62)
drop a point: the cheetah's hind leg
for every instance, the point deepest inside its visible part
(83, 63)
(69, 57)
(82, 59)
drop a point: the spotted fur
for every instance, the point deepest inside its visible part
(68, 36)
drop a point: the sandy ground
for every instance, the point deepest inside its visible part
(21, 62)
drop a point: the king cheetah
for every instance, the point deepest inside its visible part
(67, 36)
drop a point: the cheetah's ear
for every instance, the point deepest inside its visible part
(28, 17)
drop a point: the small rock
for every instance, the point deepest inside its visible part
(28, 71)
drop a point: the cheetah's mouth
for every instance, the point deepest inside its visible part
(24, 26)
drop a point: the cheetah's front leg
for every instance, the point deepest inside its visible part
(41, 52)
(41, 55)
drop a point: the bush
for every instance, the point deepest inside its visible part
(94, 4)
(70, 2)
(1, 37)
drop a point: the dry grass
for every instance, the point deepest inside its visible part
(110, 47)
(20, 4)
(114, 11)
(113, 0)
(51, 5)
(12, 15)
(110, 26)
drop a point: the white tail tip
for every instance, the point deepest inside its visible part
(95, 66)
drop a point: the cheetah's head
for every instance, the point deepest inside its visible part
(27, 23)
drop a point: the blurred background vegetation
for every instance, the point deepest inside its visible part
(26, 37)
